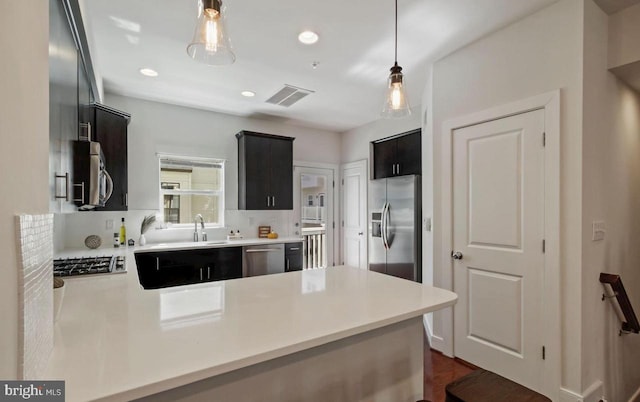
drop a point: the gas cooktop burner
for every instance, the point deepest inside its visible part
(89, 265)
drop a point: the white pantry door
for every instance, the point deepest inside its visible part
(354, 214)
(498, 230)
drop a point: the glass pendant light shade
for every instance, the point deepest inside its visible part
(396, 104)
(210, 44)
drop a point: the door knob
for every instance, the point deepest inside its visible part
(456, 255)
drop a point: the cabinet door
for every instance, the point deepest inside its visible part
(293, 257)
(63, 108)
(409, 154)
(265, 171)
(384, 157)
(281, 174)
(256, 180)
(220, 264)
(161, 270)
(111, 132)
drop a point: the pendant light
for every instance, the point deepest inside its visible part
(396, 104)
(210, 44)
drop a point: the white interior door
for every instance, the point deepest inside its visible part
(354, 214)
(498, 230)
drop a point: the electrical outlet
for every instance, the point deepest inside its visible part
(599, 230)
(109, 224)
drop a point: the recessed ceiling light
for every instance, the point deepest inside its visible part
(248, 94)
(308, 37)
(148, 72)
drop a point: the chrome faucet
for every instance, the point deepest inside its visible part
(195, 233)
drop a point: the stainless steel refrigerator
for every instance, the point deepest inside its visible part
(395, 238)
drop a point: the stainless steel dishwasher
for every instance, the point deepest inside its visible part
(262, 260)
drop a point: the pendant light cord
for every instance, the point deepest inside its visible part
(396, 40)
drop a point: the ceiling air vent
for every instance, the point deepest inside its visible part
(288, 95)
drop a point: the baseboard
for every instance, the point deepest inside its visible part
(592, 394)
(439, 344)
(567, 395)
(636, 396)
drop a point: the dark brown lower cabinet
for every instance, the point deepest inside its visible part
(293, 257)
(186, 267)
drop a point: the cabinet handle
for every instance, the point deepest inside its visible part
(294, 248)
(393, 168)
(273, 201)
(268, 201)
(81, 200)
(200, 274)
(66, 186)
(157, 263)
(126, 199)
(288, 264)
(398, 168)
(208, 272)
(261, 250)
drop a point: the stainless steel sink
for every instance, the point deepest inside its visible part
(188, 244)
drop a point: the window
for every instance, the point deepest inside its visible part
(190, 186)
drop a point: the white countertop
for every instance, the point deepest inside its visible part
(116, 341)
(172, 246)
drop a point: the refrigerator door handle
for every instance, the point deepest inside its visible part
(385, 208)
(386, 225)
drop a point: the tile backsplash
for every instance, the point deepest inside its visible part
(71, 229)
(35, 239)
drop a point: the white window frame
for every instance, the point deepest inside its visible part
(219, 193)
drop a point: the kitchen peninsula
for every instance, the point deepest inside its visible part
(339, 334)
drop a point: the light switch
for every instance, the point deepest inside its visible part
(108, 224)
(599, 230)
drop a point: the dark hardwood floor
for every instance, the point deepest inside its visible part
(440, 370)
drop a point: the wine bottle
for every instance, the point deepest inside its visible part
(123, 234)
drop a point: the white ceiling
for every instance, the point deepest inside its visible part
(355, 51)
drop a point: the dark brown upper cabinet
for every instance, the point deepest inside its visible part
(109, 128)
(400, 155)
(265, 171)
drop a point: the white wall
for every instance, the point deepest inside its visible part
(355, 142)
(158, 127)
(538, 54)
(611, 193)
(24, 150)
(624, 34)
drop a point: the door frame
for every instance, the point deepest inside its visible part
(335, 244)
(364, 164)
(550, 103)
